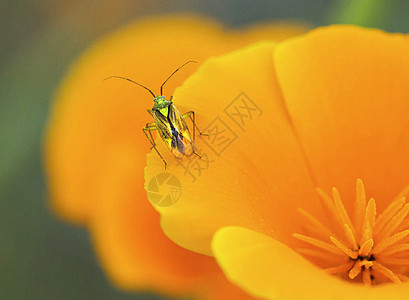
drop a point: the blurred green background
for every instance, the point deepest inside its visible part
(41, 257)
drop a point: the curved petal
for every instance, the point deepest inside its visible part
(346, 89)
(266, 268)
(95, 150)
(131, 245)
(252, 172)
(91, 113)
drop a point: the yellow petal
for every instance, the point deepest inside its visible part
(89, 114)
(131, 245)
(267, 268)
(346, 89)
(254, 173)
(95, 150)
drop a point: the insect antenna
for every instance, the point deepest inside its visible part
(161, 87)
(132, 82)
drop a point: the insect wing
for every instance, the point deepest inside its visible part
(163, 127)
(182, 144)
(174, 131)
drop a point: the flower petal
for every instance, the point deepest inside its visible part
(131, 245)
(252, 175)
(95, 145)
(346, 89)
(91, 113)
(266, 268)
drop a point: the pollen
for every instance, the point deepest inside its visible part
(361, 247)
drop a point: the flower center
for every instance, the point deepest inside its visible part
(371, 248)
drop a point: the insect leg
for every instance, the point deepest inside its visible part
(195, 153)
(149, 127)
(191, 115)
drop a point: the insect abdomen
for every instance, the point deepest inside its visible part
(180, 145)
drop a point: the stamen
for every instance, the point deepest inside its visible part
(390, 241)
(366, 277)
(403, 193)
(317, 225)
(319, 254)
(395, 249)
(366, 246)
(360, 203)
(341, 209)
(370, 212)
(369, 220)
(386, 272)
(340, 269)
(366, 232)
(396, 261)
(356, 269)
(404, 225)
(328, 203)
(350, 237)
(389, 212)
(345, 249)
(395, 222)
(367, 264)
(403, 278)
(318, 243)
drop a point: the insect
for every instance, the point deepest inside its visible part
(170, 123)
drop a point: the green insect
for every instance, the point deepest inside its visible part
(170, 123)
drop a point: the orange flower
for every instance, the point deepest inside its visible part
(286, 123)
(96, 151)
